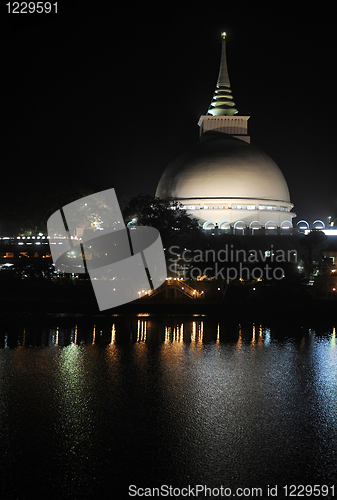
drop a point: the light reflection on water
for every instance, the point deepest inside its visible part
(91, 406)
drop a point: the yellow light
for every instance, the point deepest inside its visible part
(223, 34)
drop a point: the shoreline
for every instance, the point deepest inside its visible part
(286, 303)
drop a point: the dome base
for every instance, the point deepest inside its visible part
(250, 212)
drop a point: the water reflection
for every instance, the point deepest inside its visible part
(333, 338)
(175, 333)
(113, 334)
(194, 330)
(157, 399)
(141, 330)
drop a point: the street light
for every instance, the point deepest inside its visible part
(330, 221)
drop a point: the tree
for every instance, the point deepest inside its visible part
(171, 220)
(309, 242)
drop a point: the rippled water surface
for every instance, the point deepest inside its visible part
(89, 407)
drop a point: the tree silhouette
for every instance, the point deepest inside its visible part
(309, 242)
(171, 220)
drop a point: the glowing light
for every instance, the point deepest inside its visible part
(141, 330)
(113, 334)
(223, 34)
(327, 232)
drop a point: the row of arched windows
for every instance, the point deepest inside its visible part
(241, 225)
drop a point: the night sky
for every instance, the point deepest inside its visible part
(107, 96)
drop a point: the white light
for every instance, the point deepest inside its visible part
(328, 232)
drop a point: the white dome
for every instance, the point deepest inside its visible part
(221, 166)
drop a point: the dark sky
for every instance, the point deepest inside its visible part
(107, 96)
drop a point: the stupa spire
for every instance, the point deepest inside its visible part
(223, 103)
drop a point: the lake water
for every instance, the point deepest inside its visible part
(90, 407)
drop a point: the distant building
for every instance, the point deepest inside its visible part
(224, 181)
(329, 263)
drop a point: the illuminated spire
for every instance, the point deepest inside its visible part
(223, 103)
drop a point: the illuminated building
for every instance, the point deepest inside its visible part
(223, 180)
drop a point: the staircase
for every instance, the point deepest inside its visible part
(173, 284)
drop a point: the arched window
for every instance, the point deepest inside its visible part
(302, 225)
(255, 226)
(239, 227)
(270, 227)
(286, 224)
(225, 226)
(208, 225)
(318, 224)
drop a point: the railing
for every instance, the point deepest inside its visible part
(180, 285)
